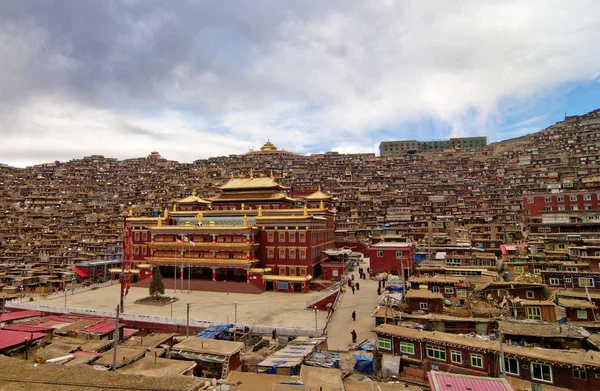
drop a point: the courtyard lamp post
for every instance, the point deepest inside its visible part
(316, 311)
(235, 304)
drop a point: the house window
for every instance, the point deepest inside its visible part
(423, 306)
(561, 208)
(281, 237)
(292, 254)
(302, 253)
(573, 198)
(407, 348)
(587, 197)
(581, 314)
(587, 207)
(571, 269)
(519, 269)
(302, 271)
(562, 246)
(530, 200)
(541, 372)
(548, 209)
(568, 280)
(379, 253)
(579, 373)
(435, 289)
(586, 281)
(511, 365)
(399, 254)
(436, 353)
(461, 292)
(270, 253)
(449, 290)
(537, 271)
(554, 281)
(574, 207)
(282, 253)
(597, 253)
(548, 199)
(534, 313)
(282, 271)
(270, 237)
(477, 360)
(384, 343)
(302, 237)
(530, 294)
(560, 199)
(456, 357)
(292, 237)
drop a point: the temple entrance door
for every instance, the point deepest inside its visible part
(269, 285)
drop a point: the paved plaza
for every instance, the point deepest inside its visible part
(269, 308)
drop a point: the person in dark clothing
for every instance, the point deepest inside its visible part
(353, 315)
(353, 333)
(357, 286)
(274, 333)
(378, 291)
(352, 288)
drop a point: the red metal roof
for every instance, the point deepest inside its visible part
(10, 316)
(27, 328)
(127, 333)
(9, 339)
(102, 327)
(81, 271)
(443, 381)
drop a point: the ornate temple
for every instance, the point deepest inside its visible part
(269, 149)
(251, 232)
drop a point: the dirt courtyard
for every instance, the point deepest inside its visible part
(269, 308)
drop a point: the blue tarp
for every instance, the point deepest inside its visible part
(214, 331)
(364, 364)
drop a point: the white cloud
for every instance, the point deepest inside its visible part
(321, 76)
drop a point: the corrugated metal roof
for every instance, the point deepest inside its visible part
(14, 338)
(9, 316)
(442, 381)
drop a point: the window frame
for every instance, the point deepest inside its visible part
(383, 342)
(475, 356)
(457, 353)
(532, 316)
(554, 281)
(533, 364)
(379, 253)
(582, 317)
(591, 279)
(580, 372)
(507, 365)
(423, 306)
(407, 348)
(434, 349)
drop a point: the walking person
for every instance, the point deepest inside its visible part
(357, 286)
(352, 288)
(353, 315)
(353, 333)
(274, 334)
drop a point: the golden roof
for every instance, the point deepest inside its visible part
(269, 146)
(251, 183)
(318, 195)
(193, 199)
(201, 261)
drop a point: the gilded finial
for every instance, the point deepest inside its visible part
(260, 211)
(305, 210)
(194, 193)
(321, 206)
(166, 213)
(199, 216)
(130, 211)
(272, 177)
(187, 223)
(243, 206)
(245, 221)
(319, 187)
(174, 207)
(251, 173)
(159, 222)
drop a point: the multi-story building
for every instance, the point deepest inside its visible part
(403, 147)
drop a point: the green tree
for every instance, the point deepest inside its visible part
(157, 287)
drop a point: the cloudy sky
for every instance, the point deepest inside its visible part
(192, 79)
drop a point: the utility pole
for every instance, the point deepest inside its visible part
(116, 340)
(502, 369)
(187, 325)
(235, 303)
(316, 311)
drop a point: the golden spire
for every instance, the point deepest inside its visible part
(321, 206)
(245, 221)
(199, 216)
(166, 213)
(260, 211)
(319, 187)
(305, 210)
(159, 222)
(272, 177)
(130, 211)
(174, 207)
(251, 173)
(243, 206)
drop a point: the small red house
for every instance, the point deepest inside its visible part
(392, 258)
